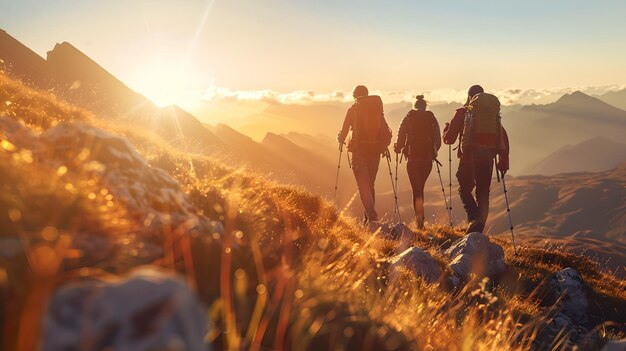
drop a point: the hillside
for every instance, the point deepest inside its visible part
(583, 212)
(310, 166)
(273, 266)
(324, 146)
(615, 98)
(592, 155)
(269, 158)
(21, 62)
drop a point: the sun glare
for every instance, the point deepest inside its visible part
(164, 83)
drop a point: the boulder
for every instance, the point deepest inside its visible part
(418, 261)
(402, 232)
(149, 310)
(474, 253)
(567, 287)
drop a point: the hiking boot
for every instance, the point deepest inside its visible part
(419, 223)
(475, 226)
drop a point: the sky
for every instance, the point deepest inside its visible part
(203, 50)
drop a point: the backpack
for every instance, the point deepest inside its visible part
(482, 123)
(370, 132)
(420, 135)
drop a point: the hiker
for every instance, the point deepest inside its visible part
(419, 140)
(370, 138)
(481, 138)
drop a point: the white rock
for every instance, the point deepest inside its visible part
(149, 310)
(418, 261)
(475, 254)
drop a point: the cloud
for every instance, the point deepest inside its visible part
(305, 97)
(214, 93)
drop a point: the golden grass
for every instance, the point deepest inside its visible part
(291, 271)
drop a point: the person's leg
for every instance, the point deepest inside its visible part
(418, 174)
(362, 176)
(465, 177)
(484, 174)
(425, 167)
(411, 169)
(373, 164)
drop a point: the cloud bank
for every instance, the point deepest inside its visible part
(304, 97)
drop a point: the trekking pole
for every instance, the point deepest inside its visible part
(443, 191)
(338, 168)
(393, 186)
(397, 169)
(450, 184)
(508, 210)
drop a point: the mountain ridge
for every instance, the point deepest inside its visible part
(74, 76)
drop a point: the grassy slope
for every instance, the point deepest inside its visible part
(291, 272)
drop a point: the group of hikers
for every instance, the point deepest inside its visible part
(477, 125)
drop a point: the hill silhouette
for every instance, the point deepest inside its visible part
(313, 168)
(74, 76)
(592, 155)
(20, 62)
(323, 145)
(615, 98)
(538, 130)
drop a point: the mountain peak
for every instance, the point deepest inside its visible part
(576, 97)
(581, 103)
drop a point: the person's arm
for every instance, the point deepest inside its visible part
(454, 128)
(402, 132)
(345, 129)
(503, 152)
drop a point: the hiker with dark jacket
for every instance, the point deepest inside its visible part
(370, 137)
(481, 139)
(419, 140)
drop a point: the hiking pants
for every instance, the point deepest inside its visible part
(418, 171)
(365, 168)
(476, 171)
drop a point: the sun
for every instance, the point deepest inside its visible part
(164, 83)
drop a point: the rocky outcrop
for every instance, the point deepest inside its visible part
(475, 254)
(417, 261)
(149, 310)
(565, 294)
(105, 171)
(567, 289)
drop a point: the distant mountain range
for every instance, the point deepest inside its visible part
(592, 155)
(615, 98)
(538, 130)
